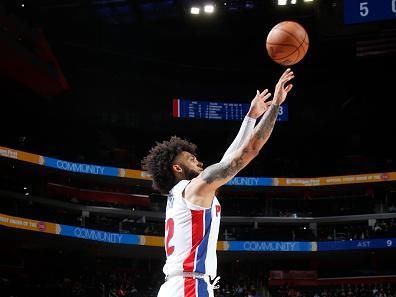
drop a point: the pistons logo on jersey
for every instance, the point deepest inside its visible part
(218, 210)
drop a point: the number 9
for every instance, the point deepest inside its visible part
(389, 243)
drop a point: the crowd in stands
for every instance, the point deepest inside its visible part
(380, 229)
(348, 290)
(238, 290)
(81, 276)
(141, 225)
(127, 282)
(69, 278)
(114, 284)
(15, 181)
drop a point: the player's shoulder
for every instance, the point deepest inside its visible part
(176, 196)
(179, 187)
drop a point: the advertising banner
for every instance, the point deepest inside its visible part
(250, 182)
(96, 235)
(136, 174)
(22, 156)
(236, 181)
(28, 224)
(335, 180)
(244, 246)
(383, 243)
(272, 246)
(80, 167)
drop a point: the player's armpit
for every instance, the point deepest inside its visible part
(201, 189)
(220, 173)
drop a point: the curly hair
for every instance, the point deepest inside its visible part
(160, 159)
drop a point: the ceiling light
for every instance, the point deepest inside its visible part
(195, 10)
(209, 8)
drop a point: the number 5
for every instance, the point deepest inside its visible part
(394, 6)
(364, 11)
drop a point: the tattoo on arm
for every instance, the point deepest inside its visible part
(223, 169)
(267, 123)
(229, 168)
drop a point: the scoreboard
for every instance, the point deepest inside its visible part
(212, 110)
(363, 11)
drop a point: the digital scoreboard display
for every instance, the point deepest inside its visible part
(364, 11)
(211, 110)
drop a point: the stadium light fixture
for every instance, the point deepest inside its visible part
(195, 10)
(209, 8)
(293, 1)
(282, 2)
(308, 0)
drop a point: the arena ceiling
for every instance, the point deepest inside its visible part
(125, 60)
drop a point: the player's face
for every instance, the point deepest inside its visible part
(189, 164)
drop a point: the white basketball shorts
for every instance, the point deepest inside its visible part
(179, 286)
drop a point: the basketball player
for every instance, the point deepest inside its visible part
(193, 211)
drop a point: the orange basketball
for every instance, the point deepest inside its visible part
(287, 43)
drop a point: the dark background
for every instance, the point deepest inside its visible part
(126, 60)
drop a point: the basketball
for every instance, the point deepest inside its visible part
(287, 43)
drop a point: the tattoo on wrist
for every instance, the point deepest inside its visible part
(267, 122)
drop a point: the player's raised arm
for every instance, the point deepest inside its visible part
(257, 107)
(202, 188)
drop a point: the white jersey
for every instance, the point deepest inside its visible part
(191, 234)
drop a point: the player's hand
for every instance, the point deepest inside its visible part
(282, 88)
(259, 104)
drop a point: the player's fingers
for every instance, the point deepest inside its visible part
(288, 78)
(268, 103)
(290, 74)
(267, 96)
(264, 92)
(288, 87)
(286, 72)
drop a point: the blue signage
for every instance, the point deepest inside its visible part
(383, 243)
(79, 167)
(217, 110)
(362, 11)
(271, 246)
(250, 181)
(91, 234)
(245, 246)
